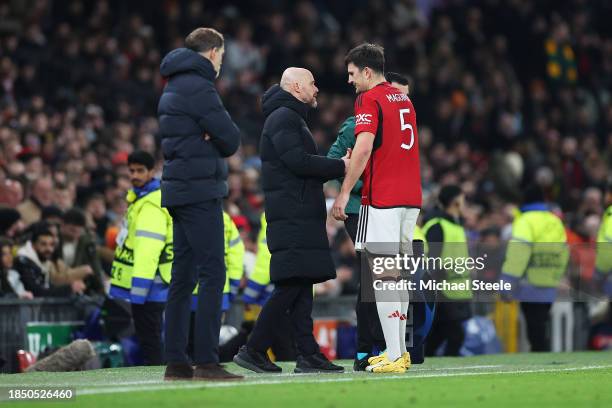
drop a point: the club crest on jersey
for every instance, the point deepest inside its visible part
(363, 119)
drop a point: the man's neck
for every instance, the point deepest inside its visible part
(375, 81)
(453, 213)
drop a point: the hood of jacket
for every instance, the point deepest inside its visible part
(28, 251)
(277, 97)
(182, 60)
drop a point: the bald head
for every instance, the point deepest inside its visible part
(300, 83)
(294, 75)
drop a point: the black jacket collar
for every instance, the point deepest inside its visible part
(276, 97)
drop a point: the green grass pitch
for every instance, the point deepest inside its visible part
(507, 380)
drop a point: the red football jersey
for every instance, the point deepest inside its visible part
(392, 177)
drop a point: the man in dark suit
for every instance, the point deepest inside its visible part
(293, 175)
(197, 134)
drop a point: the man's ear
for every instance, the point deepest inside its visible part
(367, 73)
(209, 54)
(296, 87)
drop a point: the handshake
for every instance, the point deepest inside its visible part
(347, 159)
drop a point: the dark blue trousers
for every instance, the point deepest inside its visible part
(198, 258)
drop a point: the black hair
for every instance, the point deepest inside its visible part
(367, 55)
(533, 194)
(448, 194)
(40, 229)
(142, 157)
(4, 241)
(399, 78)
(203, 39)
(75, 216)
(50, 212)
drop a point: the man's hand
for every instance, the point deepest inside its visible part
(347, 159)
(85, 270)
(339, 206)
(78, 287)
(26, 295)
(206, 137)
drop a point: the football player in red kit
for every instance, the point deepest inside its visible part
(386, 157)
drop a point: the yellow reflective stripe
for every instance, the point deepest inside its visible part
(234, 242)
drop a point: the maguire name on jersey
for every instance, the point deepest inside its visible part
(392, 176)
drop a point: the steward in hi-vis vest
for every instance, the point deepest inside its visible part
(143, 257)
(536, 260)
(446, 239)
(603, 262)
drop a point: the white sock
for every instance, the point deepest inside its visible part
(389, 314)
(402, 326)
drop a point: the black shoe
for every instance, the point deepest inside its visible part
(178, 372)
(255, 361)
(361, 364)
(417, 355)
(316, 363)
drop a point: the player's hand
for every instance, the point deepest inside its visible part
(339, 206)
(206, 137)
(347, 159)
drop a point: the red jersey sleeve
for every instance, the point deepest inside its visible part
(366, 114)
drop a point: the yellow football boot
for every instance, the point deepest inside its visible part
(392, 367)
(406, 358)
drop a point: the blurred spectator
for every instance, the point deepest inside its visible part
(10, 222)
(41, 195)
(10, 282)
(35, 266)
(78, 254)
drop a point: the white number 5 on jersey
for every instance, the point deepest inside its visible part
(405, 126)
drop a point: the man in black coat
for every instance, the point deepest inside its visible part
(197, 134)
(293, 175)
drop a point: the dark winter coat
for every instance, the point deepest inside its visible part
(293, 175)
(194, 169)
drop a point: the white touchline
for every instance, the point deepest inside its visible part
(286, 380)
(67, 383)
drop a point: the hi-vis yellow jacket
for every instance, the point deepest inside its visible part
(454, 246)
(258, 287)
(143, 257)
(603, 262)
(234, 263)
(537, 255)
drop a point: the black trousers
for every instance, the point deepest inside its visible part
(199, 250)
(292, 298)
(369, 331)
(148, 326)
(537, 317)
(448, 326)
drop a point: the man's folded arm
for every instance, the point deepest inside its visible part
(216, 122)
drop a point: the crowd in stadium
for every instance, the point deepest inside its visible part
(504, 97)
